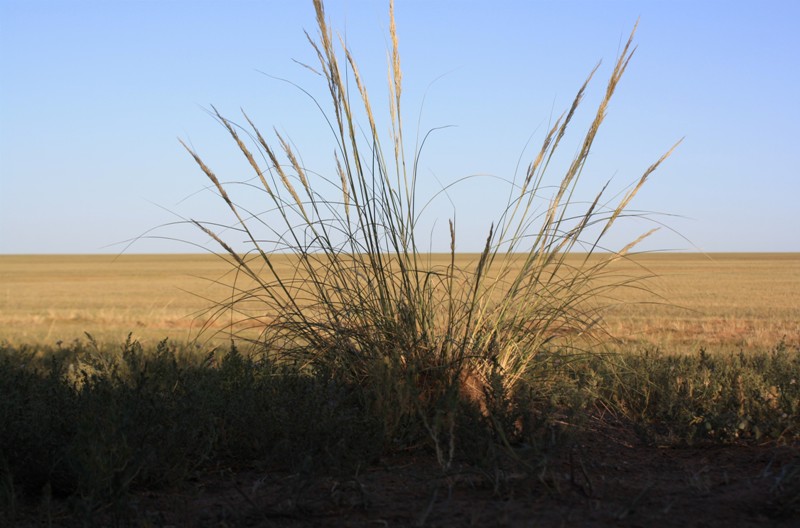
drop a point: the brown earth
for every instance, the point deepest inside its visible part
(608, 477)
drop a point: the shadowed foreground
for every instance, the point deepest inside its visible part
(135, 437)
(606, 478)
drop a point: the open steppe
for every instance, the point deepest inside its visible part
(718, 301)
(688, 417)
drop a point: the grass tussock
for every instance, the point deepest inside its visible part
(368, 306)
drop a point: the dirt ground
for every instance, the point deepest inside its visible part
(607, 478)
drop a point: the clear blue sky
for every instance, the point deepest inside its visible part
(94, 94)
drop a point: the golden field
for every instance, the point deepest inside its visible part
(736, 301)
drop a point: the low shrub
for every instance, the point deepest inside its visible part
(95, 424)
(706, 396)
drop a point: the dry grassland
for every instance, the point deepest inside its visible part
(748, 301)
(735, 300)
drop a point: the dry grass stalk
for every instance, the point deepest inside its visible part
(371, 305)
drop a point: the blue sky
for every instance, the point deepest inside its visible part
(95, 94)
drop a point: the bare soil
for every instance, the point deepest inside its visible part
(608, 477)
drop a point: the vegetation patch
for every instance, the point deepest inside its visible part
(84, 431)
(368, 352)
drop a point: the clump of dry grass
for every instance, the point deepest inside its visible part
(369, 305)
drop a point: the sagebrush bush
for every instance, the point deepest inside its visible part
(37, 412)
(94, 423)
(720, 397)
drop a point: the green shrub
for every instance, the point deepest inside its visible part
(37, 413)
(721, 397)
(94, 424)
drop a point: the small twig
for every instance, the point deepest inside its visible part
(423, 518)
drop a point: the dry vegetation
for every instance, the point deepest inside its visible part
(385, 386)
(718, 301)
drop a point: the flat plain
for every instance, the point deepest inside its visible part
(693, 423)
(684, 302)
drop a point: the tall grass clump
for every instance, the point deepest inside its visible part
(368, 305)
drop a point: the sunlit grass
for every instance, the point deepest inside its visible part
(721, 301)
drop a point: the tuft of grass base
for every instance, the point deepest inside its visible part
(371, 309)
